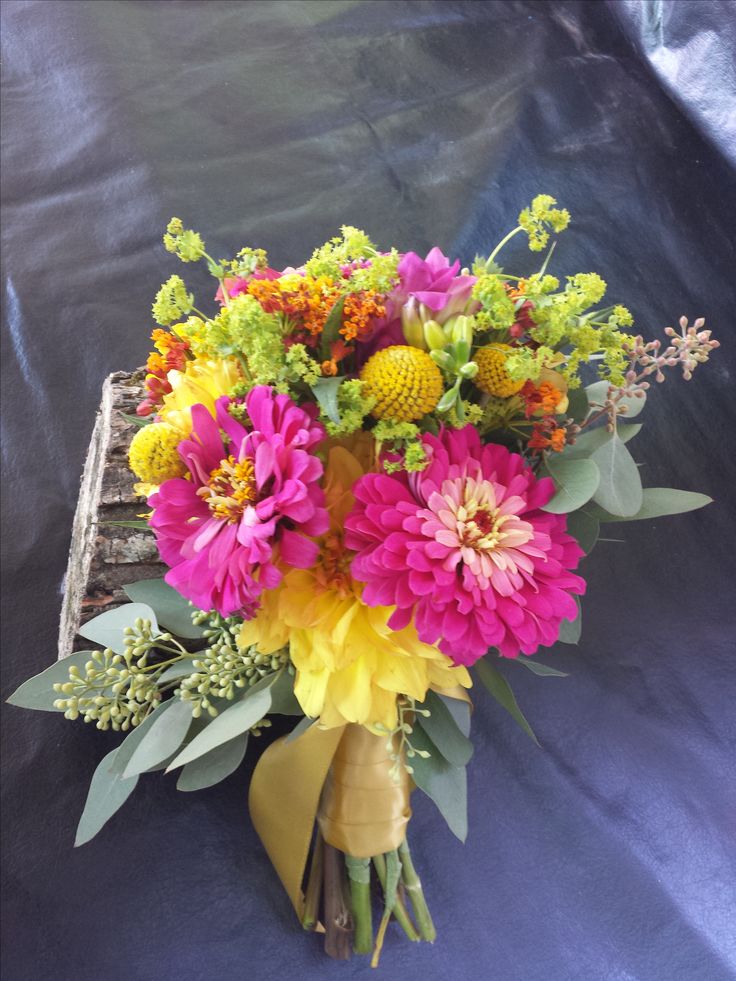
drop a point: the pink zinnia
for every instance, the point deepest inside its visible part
(252, 497)
(464, 548)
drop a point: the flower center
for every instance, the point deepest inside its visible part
(480, 527)
(333, 570)
(230, 489)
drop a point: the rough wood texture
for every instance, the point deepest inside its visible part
(103, 558)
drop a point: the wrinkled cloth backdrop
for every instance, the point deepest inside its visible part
(608, 854)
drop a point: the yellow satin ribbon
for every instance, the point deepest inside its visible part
(339, 777)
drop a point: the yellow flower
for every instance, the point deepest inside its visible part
(493, 377)
(201, 382)
(350, 665)
(405, 382)
(153, 457)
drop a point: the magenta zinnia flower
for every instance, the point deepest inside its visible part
(464, 548)
(251, 497)
(435, 283)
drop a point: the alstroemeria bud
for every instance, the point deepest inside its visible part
(469, 370)
(461, 329)
(434, 336)
(412, 325)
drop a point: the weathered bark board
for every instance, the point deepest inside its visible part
(103, 558)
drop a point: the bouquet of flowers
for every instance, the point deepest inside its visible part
(372, 479)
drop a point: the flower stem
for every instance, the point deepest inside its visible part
(503, 242)
(338, 922)
(359, 873)
(314, 886)
(414, 889)
(400, 911)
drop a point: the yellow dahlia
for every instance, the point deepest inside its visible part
(350, 665)
(405, 382)
(493, 377)
(153, 457)
(201, 383)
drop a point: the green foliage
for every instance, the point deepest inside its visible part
(235, 720)
(443, 730)
(40, 691)
(325, 391)
(492, 679)
(107, 793)
(442, 782)
(163, 737)
(584, 528)
(576, 482)
(619, 490)
(597, 394)
(169, 607)
(109, 628)
(172, 302)
(214, 766)
(570, 630)
(352, 408)
(657, 502)
(539, 668)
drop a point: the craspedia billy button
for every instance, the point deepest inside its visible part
(405, 382)
(493, 377)
(152, 454)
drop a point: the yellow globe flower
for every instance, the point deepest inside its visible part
(493, 377)
(405, 382)
(153, 457)
(350, 665)
(201, 382)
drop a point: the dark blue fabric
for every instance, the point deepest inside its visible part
(608, 854)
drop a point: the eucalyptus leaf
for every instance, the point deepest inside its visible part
(619, 490)
(578, 406)
(598, 392)
(214, 766)
(538, 667)
(165, 736)
(442, 729)
(236, 719)
(445, 784)
(38, 692)
(107, 629)
(497, 685)
(170, 607)
(300, 728)
(107, 793)
(570, 630)
(283, 699)
(576, 482)
(134, 738)
(584, 528)
(325, 391)
(589, 440)
(179, 669)
(657, 502)
(459, 709)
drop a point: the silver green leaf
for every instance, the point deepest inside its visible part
(107, 629)
(570, 630)
(619, 490)
(494, 681)
(445, 784)
(38, 692)
(107, 793)
(214, 766)
(658, 502)
(165, 735)
(584, 528)
(444, 732)
(236, 719)
(576, 482)
(325, 391)
(170, 607)
(538, 667)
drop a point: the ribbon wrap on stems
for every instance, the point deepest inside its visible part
(339, 777)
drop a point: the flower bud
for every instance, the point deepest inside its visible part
(469, 370)
(461, 329)
(434, 336)
(411, 324)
